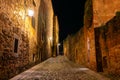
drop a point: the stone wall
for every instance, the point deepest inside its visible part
(21, 44)
(89, 35)
(55, 36)
(66, 47)
(45, 29)
(108, 45)
(104, 10)
(74, 47)
(48, 25)
(83, 51)
(97, 13)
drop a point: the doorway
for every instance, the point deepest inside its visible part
(98, 50)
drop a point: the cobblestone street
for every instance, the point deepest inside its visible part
(58, 68)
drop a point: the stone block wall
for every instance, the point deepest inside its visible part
(104, 10)
(89, 35)
(45, 29)
(107, 42)
(84, 41)
(48, 25)
(14, 42)
(21, 44)
(80, 50)
(97, 48)
(74, 48)
(66, 47)
(55, 36)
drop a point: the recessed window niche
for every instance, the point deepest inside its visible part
(15, 45)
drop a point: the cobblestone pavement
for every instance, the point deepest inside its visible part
(59, 68)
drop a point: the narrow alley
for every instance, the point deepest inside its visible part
(58, 68)
(34, 33)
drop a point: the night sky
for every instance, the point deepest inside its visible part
(70, 16)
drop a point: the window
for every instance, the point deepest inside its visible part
(15, 45)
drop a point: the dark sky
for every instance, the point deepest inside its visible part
(70, 15)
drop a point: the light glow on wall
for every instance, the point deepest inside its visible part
(59, 44)
(50, 38)
(30, 12)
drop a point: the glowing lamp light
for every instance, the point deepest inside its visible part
(30, 12)
(58, 44)
(50, 38)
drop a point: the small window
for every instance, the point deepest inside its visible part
(15, 45)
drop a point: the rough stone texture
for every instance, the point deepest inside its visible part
(108, 44)
(100, 46)
(107, 37)
(12, 26)
(83, 51)
(89, 35)
(104, 10)
(49, 25)
(45, 29)
(66, 46)
(74, 48)
(15, 23)
(55, 36)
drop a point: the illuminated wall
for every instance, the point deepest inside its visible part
(55, 36)
(100, 48)
(24, 38)
(107, 39)
(74, 48)
(45, 29)
(104, 10)
(97, 14)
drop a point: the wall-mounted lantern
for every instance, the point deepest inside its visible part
(59, 44)
(50, 38)
(30, 12)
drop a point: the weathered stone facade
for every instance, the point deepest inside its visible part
(45, 29)
(100, 46)
(104, 10)
(84, 40)
(108, 45)
(89, 35)
(23, 38)
(74, 48)
(55, 36)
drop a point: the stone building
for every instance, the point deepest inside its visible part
(107, 39)
(55, 36)
(88, 42)
(26, 30)
(74, 47)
